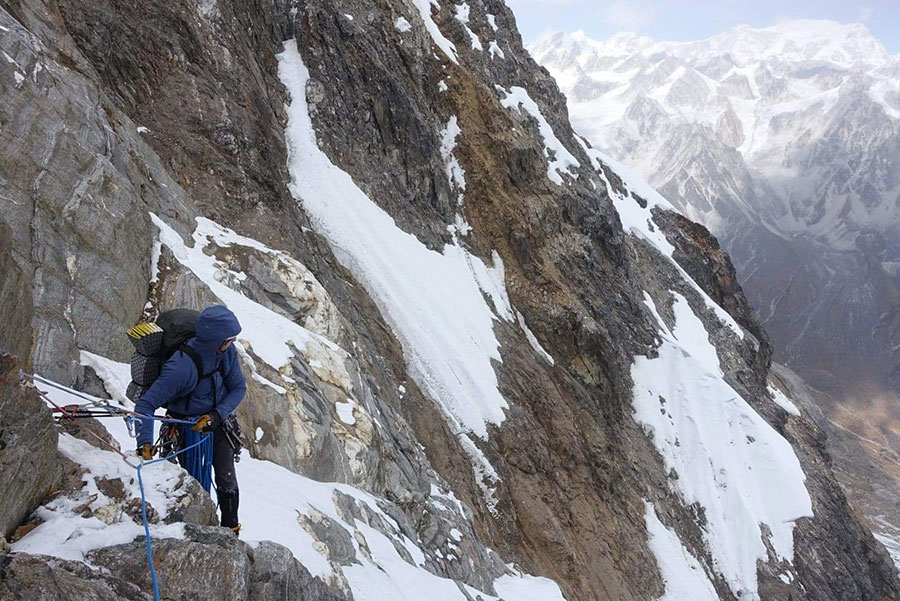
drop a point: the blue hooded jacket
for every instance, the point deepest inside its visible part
(179, 384)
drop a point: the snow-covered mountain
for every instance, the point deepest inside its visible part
(484, 359)
(785, 142)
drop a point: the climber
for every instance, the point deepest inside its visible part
(212, 395)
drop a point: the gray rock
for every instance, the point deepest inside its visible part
(574, 466)
(29, 469)
(277, 576)
(40, 578)
(211, 565)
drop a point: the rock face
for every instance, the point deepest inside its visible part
(29, 467)
(780, 150)
(456, 147)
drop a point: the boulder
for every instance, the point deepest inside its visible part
(212, 563)
(40, 578)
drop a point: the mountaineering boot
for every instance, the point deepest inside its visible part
(228, 505)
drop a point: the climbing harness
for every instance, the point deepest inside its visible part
(197, 447)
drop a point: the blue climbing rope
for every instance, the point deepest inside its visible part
(198, 459)
(199, 449)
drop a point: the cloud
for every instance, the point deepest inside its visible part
(629, 14)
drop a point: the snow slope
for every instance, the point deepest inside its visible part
(727, 458)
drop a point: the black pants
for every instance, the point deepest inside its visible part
(225, 477)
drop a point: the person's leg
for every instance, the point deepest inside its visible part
(226, 478)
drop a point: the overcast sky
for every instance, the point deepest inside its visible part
(681, 20)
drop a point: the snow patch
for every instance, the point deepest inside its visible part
(455, 173)
(782, 401)
(521, 587)
(432, 300)
(402, 25)
(440, 41)
(495, 50)
(462, 15)
(559, 158)
(681, 573)
(533, 341)
(345, 412)
(270, 335)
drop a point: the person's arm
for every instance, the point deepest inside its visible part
(234, 383)
(176, 378)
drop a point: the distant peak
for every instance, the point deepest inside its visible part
(842, 44)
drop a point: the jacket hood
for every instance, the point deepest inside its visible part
(216, 324)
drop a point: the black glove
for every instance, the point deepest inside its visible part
(146, 452)
(207, 422)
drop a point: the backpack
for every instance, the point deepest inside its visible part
(155, 343)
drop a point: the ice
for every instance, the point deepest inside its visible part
(727, 458)
(559, 159)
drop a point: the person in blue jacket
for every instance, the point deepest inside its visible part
(212, 395)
